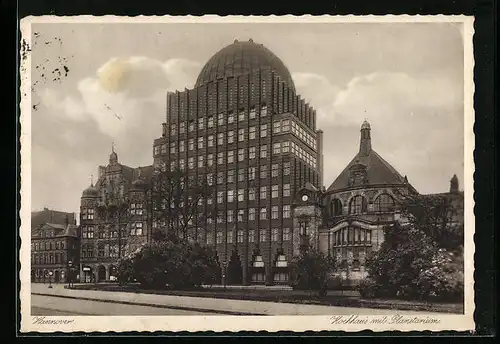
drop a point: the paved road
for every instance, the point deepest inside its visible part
(49, 305)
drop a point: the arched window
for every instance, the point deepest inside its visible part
(357, 205)
(384, 203)
(336, 207)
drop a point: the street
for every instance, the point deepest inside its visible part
(49, 305)
(45, 301)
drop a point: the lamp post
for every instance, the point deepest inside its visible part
(70, 265)
(50, 279)
(224, 273)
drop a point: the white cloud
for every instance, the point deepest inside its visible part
(126, 98)
(126, 105)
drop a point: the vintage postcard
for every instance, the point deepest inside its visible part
(281, 173)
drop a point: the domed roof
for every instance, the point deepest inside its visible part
(90, 192)
(242, 58)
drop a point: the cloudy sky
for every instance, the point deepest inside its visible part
(406, 79)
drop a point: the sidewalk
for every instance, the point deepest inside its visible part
(203, 304)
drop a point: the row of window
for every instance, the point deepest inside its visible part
(298, 151)
(48, 245)
(211, 121)
(302, 134)
(88, 231)
(251, 193)
(107, 250)
(47, 234)
(352, 236)
(251, 172)
(359, 205)
(229, 215)
(352, 252)
(230, 156)
(240, 236)
(48, 258)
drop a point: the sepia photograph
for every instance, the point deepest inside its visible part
(231, 168)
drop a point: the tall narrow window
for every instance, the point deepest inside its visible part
(357, 205)
(230, 157)
(274, 212)
(263, 192)
(241, 135)
(251, 173)
(276, 127)
(263, 130)
(263, 171)
(251, 153)
(274, 170)
(277, 148)
(263, 213)
(251, 214)
(286, 190)
(251, 133)
(251, 194)
(275, 191)
(286, 211)
(241, 175)
(263, 151)
(230, 136)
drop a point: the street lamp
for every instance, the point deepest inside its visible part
(50, 279)
(224, 273)
(70, 265)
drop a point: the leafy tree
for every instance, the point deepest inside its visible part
(410, 264)
(310, 270)
(172, 262)
(434, 215)
(177, 201)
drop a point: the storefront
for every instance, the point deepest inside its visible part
(88, 274)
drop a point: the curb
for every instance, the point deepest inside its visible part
(201, 310)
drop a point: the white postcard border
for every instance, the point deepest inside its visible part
(30, 323)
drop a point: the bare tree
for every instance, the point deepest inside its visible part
(179, 202)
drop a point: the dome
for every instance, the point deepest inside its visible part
(241, 58)
(89, 192)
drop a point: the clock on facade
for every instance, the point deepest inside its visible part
(305, 198)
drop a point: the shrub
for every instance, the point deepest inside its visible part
(310, 271)
(368, 288)
(410, 265)
(175, 264)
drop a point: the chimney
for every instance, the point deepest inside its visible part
(454, 184)
(365, 145)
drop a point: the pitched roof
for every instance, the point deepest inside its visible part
(50, 216)
(60, 230)
(378, 171)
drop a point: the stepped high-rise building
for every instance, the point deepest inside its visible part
(245, 129)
